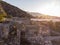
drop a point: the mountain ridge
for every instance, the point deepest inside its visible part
(14, 11)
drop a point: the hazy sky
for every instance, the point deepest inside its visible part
(50, 7)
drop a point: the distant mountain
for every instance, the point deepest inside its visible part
(35, 14)
(14, 11)
(42, 16)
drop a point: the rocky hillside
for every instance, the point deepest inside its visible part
(14, 33)
(14, 11)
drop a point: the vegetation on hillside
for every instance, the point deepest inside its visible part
(2, 17)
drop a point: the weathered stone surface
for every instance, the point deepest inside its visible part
(9, 34)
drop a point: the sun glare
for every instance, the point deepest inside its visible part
(52, 9)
